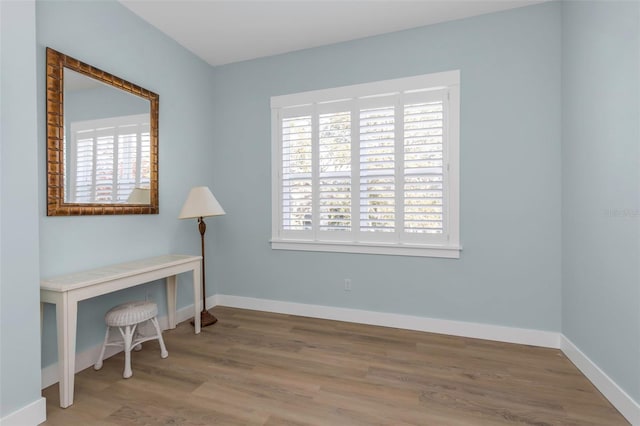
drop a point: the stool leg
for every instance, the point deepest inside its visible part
(135, 336)
(163, 349)
(98, 364)
(127, 335)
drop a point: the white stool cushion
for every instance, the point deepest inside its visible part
(130, 313)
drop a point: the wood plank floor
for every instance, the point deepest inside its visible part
(257, 368)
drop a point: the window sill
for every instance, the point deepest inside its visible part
(448, 252)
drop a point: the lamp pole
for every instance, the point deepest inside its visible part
(210, 319)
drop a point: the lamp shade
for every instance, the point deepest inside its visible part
(139, 196)
(200, 203)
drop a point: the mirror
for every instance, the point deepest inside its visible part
(102, 142)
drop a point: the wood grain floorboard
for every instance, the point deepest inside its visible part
(258, 368)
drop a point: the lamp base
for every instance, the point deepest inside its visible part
(206, 319)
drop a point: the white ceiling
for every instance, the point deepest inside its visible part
(226, 31)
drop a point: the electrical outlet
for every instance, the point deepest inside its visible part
(347, 284)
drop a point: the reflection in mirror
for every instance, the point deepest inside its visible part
(106, 142)
(102, 142)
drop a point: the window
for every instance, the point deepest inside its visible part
(110, 157)
(370, 168)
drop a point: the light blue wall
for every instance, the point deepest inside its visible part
(509, 271)
(19, 269)
(101, 102)
(601, 197)
(117, 41)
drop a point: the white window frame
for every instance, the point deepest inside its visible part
(445, 245)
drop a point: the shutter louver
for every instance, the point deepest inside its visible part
(335, 171)
(423, 168)
(377, 170)
(297, 202)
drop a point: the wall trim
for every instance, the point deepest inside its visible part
(31, 414)
(547, 339)
(84, 359)
(629, 408)
(88, 357)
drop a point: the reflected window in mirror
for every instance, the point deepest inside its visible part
(108, 157)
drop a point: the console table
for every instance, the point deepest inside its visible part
(66, 291)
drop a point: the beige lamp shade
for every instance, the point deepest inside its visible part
(200, 203)
(139, 196)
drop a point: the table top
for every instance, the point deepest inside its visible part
(94, 276)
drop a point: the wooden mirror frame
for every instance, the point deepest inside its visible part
(56, 206)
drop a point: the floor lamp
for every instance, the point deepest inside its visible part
(200, 204)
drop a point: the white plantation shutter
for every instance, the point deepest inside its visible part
(369, 168)
(377, 169)
(84, 182)
(111, 157)
(335, 171)
(297, 182)
(143, 163)
(423, 167)
(104, 165)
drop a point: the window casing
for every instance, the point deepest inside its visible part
(370, 168)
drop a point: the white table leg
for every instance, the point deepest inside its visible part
(66, 319)
(197, 297)
(171, 300)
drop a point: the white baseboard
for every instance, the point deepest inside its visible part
(499, 333)
(84, 359)
(29, 415)
(629, 408)
(88, 357)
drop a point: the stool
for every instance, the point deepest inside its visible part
(127, 317)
